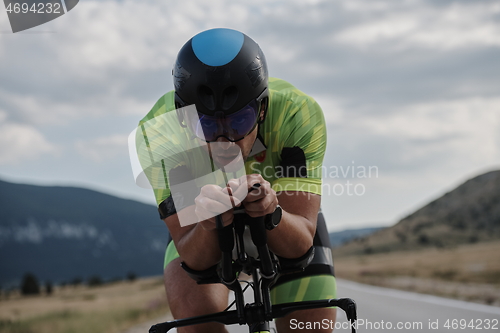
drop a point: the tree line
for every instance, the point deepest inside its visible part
(30, 284)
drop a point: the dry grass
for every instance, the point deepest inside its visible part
(470, 272)
(110, 308)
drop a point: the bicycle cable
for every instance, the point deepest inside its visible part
(249, 284)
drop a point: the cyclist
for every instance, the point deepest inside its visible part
(279, 134)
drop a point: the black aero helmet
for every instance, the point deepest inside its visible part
(220, 71)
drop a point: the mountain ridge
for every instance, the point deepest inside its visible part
(467, 214)
(62, 233)
(93, 229)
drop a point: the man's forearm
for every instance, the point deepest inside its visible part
(293, 237)
(198, 247)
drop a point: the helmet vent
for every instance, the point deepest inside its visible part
(257, 70)
(181, 75)
(206, 97)
(229, 97)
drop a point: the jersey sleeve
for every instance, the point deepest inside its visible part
(153, 144)
(176, 163)
(303, 137)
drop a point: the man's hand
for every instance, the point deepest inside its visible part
(258, 201)
(212, 201)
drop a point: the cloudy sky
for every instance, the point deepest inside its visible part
(410, 91)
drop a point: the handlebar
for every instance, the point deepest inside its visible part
(261, 310)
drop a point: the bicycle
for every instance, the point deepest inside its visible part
(265, 271)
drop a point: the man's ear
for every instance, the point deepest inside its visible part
(180, 117)
(263, 110)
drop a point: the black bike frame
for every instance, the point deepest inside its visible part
(265, 270)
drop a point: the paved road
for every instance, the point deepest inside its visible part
(419, 313)
(383, 310)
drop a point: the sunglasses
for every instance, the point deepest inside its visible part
(233, 127)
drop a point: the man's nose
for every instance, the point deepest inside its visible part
(224, 143)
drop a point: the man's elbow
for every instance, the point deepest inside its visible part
(304, 247)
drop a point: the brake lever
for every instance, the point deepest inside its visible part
(349, 307)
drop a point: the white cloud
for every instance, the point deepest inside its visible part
(463, 130)
(38, 109)
(445, 28)
(419, 149)
(332, 109)
(42, 111)
(104, 148)
(467, 125)
(22, 143)
(103, 57)
(110, 34)
(364, 6)
(380, 30)
(133, 36)
(433, 119)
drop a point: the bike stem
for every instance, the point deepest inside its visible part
(267, 268)
(227, 273)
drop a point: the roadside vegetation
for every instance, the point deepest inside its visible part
(448, 247)
(469, 272)
(102, 307)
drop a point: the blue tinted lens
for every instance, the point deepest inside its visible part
(242, 122)
(206, 127)
(233, 127)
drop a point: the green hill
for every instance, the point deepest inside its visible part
(62, 233)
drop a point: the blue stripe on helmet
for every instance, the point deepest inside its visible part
(217, 47)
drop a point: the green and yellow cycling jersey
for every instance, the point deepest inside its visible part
(288, 153)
